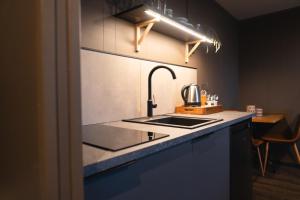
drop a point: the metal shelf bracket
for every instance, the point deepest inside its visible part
(189, 52)
(139, 37)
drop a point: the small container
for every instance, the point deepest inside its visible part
(160, 5)
(259, 112)
(216, 98)
(203, 97)
(169, 12)
(210, 100)
(251, 108)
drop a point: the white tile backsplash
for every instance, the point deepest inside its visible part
(115, 87)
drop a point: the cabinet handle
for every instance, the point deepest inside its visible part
(124, 165)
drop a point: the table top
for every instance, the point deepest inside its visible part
(269, 119)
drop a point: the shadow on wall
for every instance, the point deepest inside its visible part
(104, 33)
(270, 63)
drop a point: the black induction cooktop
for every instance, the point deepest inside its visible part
(114, 138)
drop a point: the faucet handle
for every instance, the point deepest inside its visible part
(154, 105)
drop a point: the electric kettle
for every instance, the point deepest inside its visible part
(191, 95)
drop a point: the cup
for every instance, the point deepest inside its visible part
(203, 100)
(169, 12)
(160, 5)
(251, 108)
(259, 112)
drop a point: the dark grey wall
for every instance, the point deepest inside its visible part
(219, 71)
(270, 63)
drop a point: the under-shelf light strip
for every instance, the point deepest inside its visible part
(177, 25)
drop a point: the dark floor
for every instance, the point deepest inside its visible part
(282, 182)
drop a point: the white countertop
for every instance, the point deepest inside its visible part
(96, 160)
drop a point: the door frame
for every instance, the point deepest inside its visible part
(61, 156)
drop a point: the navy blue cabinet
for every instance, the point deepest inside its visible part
(198, 169)
(240, 161)
(211, 165)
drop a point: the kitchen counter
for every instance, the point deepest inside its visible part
(97, 160)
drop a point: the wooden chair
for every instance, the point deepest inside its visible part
(257, 143)
(282, 139)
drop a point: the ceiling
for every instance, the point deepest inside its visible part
(251, 8)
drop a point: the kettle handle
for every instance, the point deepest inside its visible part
(183, 93)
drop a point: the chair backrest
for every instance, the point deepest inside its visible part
(297, 133)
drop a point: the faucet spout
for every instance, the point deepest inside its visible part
(150, 104)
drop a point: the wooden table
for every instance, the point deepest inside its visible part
(268, 119)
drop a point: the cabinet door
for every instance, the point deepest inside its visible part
(240, 162)
(211, 166)
(194, 170)
(165, 175)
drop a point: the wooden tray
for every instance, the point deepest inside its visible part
(199, 110)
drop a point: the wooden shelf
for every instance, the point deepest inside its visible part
(137, 15)
(141, 19)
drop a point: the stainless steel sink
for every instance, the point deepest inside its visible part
(174, 121)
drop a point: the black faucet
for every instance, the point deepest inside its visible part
(150, 104)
